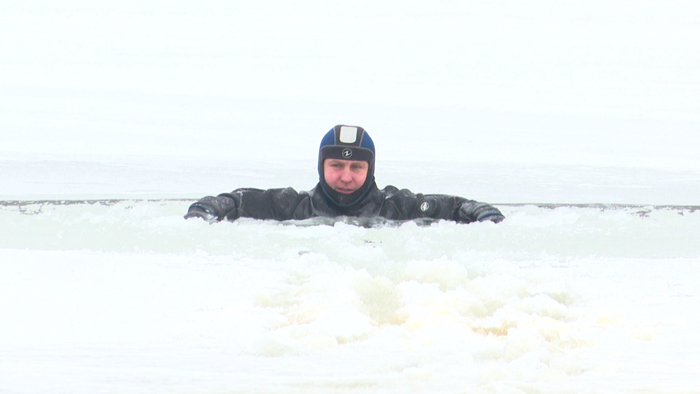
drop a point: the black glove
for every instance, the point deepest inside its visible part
(198, 210)
(472, 211)
(495, 217)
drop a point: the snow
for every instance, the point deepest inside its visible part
(114, 116)
(129, 297)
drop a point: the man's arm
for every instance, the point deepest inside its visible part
(277, 204)
(404, 204)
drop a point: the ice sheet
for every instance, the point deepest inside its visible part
(129, 297)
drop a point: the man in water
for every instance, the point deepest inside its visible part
(346, 188)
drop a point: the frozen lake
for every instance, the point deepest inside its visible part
(126, 296)
(579, 121)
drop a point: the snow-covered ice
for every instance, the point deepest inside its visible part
(578, 120)
(129, 297)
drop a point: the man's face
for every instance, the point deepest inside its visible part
(345, 176)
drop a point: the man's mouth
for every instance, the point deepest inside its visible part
(345, 191)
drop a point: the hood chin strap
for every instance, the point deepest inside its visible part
(342, 200)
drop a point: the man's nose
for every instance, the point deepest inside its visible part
(347, 175)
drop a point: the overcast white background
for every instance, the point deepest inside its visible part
(515, 95)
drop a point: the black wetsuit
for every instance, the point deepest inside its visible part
(389, 203)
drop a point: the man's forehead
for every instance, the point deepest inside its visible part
(347, 161)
